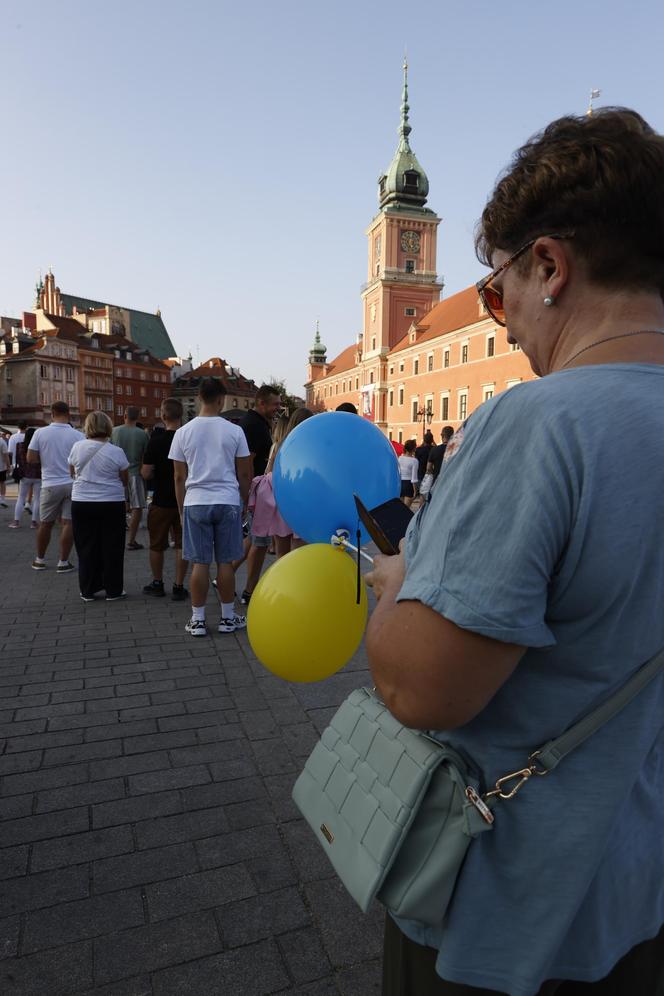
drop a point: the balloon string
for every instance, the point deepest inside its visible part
(359, 576)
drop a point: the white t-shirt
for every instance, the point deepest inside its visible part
(99, 479)
(209, 446)
(53, 443)
(3, 454)
(17, 438)
(408, 468)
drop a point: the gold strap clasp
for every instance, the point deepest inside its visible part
(522, 775)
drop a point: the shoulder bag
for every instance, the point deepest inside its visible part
(396, 810)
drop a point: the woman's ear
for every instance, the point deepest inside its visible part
(553, 265)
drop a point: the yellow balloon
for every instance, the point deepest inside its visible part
(303, 621)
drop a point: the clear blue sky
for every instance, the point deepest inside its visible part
(219, 160)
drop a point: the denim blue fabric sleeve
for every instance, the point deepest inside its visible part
(483, 550)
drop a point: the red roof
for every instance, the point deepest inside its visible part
(234, 383)
(448, 315)
(344, 361)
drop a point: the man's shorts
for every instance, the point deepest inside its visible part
(55, 503)
(3, 476)
(212, 533)
(160, 523)
(257, 540)
(136, 492)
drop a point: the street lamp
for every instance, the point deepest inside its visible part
(424, 414)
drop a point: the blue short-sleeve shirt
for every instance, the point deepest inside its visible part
(546, 529)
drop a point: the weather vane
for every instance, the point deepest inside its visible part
(594, 94)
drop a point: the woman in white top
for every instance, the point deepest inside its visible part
(99, 470)
(409, 469)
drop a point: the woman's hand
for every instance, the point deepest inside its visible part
(387, 574)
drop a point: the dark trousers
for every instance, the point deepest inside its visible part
(409, 969)
(99, 536)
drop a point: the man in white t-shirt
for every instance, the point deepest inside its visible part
(51, 446)
(212, 468)
(17, 438)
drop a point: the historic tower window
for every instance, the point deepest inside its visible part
(411, 181)
(410, 266)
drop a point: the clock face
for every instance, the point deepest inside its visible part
(410, 241)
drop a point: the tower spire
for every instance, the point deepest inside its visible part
(404, 126)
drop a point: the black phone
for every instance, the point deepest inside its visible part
(386, 523)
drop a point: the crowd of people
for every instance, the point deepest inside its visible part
(207, 486)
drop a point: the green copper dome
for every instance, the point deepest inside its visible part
(318, 350)
(405, 182)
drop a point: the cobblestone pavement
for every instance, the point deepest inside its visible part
(148, 842)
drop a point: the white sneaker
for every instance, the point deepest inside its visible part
(230, 625)
(196, 627)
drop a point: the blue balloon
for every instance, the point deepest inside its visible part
(319, 467)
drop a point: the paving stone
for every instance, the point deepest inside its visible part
(262, 916)
(187, 826)
(250, 971)
(231, 730)
(226, 751)
(20, 762)
(120, 702)
(59, 972)
(304, 955)
(321, 987)
(143, 867)
(35, 891)
(240, 845)
(9, 933)
(17, 729)
(306, 852)
(82, 752)
(112, 731)
(15, 806)
(149, 948)
(349, 936)
(82, 719)
(79, 920)
(51, 710)
(223, 793)
(138, 986)
(172, 778)
(250, 814)
(200, 891)
(273, 757)
(212, 704)
(154, 711)
(36, 781)
(14, 860)
(300, 739)
(85, 794)
(81, 847)
(46, 825)
(361, 980)
(159, 741)
(121, 766)
(271, 871)
(140, 807)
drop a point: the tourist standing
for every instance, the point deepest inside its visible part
(99, 470)
(17, 438)
(438, 452)
(212, 477)
(5, 464)
(257, 427)
(408, 471)
(422, 455)
(29, 480)
(133, 440)
(164, 516)
(50, 447)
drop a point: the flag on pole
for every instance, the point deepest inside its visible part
(594, 94)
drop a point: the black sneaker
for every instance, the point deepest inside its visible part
(154, 588)
(180, 593)
(245, 597)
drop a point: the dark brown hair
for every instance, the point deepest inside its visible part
(598, 177)
(267, 391)
(210, 389)
(132, 413)
(172, 409)
(59, 408)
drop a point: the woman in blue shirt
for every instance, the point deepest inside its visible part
(531, 585)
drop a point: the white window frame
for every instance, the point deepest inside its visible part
(464, 345)
(488, 391)
(463, 393)
(491, 337)
(445, 396)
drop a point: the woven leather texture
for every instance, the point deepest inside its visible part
(364, 781)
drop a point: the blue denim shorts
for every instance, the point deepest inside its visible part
(257, 540)
(212, 534)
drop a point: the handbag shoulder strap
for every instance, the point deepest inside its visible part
(90, 457)
(552, 753)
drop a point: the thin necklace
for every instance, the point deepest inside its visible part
(623, 335)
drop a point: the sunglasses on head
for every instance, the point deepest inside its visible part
(492, 297)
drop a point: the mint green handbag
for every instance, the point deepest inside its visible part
(396, 810)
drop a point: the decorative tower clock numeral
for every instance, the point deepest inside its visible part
(410, 241)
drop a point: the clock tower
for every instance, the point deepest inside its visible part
(402, 285)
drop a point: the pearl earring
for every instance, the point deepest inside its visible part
(549, 302)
